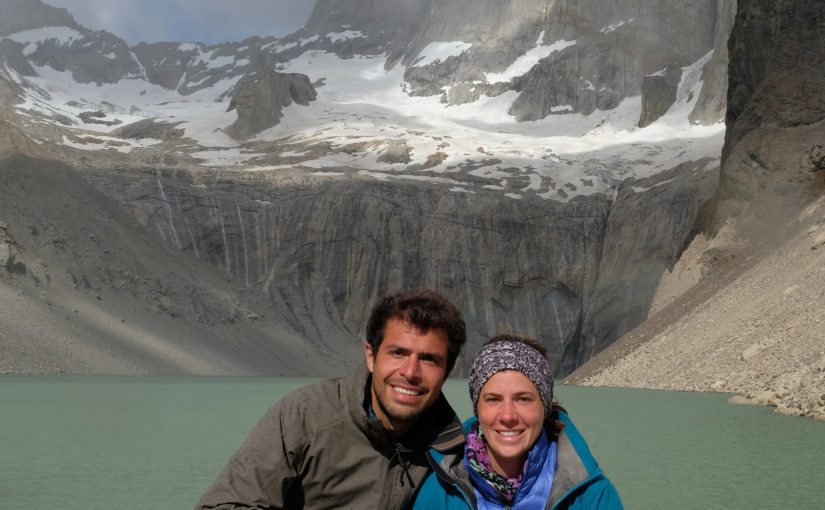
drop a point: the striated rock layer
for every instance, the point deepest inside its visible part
(572, 274)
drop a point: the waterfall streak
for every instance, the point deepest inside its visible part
(225, 240)
(243, 238)
(175, 239)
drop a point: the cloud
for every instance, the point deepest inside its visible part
(207, 21)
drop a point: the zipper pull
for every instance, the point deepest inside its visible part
(404, 465)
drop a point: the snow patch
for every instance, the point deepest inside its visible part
(362, 107)
(524, 63)
(63, 35)
(218, 62)
(440, 51)
(611, 28)
(285, 47)
(335, 37)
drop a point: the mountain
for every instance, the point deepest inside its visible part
(542, 164)
(741, 310)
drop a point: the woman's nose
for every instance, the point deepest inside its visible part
(508, 412)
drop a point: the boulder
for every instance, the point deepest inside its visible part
(395, 152)
(260, 100)
(659, 93)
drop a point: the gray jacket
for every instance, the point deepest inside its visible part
(317, 449)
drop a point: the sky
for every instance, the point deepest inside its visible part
(206, 21)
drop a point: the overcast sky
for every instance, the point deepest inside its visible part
(207, 21)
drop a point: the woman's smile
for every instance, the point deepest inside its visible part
(511, 417)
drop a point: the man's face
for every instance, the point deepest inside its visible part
(407, 374)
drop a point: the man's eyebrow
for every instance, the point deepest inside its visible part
(425, 354)
(396, 347)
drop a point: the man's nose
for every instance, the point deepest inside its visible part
(411, 368)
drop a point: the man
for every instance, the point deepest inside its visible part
(358, 441)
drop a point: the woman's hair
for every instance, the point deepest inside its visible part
(552, 425)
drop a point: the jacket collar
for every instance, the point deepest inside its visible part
(571, 470)
(574, 466)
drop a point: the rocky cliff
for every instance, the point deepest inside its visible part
(776, 107)
(575, 274)
(261, 99)
(85, 288)
(566, 247)
(589, 54)
(559, 57)
(741, 310)
(710, 107)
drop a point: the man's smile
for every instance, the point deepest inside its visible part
(407, 391)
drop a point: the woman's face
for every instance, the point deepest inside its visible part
(511, 415)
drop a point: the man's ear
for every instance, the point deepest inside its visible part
(370, 356)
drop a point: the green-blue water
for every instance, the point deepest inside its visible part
(95, 442)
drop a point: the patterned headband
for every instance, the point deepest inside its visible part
(511, 355)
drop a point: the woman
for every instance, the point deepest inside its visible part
(522, 451)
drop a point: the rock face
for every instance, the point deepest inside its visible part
(321, 246)
(101, 57)
(776, 109)
(14, 141)
(559, 57)
(710, 107)
(190, 67)
(109, 64)
(84, 289)
(617, 56)
(751, 323)
(12, 61)
(259, 101)
(659, 93)
(589, 54)
(329, 247)
(19, 15)
(648, 228)
(11, 56)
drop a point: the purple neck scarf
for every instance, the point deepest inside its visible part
(477, 458)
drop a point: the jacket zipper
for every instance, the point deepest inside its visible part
(404, 466)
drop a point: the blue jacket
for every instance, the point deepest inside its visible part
(578, 482)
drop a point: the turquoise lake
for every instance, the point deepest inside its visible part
(105, 442)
